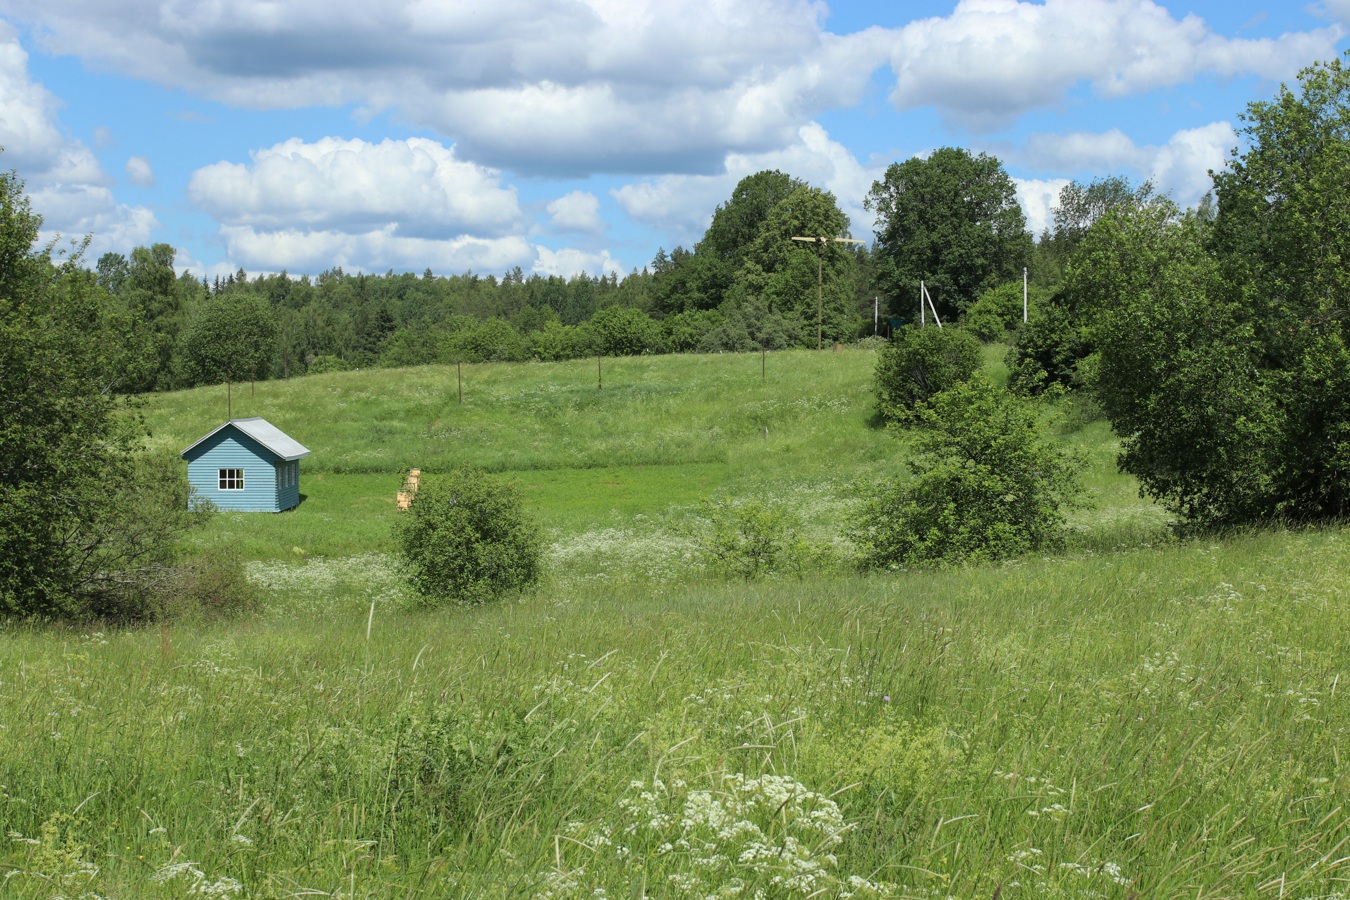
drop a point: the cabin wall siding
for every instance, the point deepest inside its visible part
(231, 449)
(287, 496)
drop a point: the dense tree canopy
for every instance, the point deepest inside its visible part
(1223, 359)
(88, 526)
(785, 274)
(230, 337)
(1177, 369)
(1282, 236)
(952, 221)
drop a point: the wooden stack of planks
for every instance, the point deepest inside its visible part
(405, 496)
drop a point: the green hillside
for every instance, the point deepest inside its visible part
(634, 456)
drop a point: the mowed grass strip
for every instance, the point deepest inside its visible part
(1157, 723)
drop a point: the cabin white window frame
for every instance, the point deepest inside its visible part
(230, 479)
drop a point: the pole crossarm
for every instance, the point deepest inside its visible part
(820, 242)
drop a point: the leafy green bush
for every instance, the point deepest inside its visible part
(467, 539)
(89, 523)
(682, 332)
(749, 539)
(920, 363)
(749, 327)
(489, 340)
(322, 364)
(999, 311)
(556, 341)
(624, 331)
(986, 486)
(1049, 350)
(207, 585)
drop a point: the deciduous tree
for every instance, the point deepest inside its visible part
(88, 525)
(987, 486)
(951, 220)
(231, 336)
(1228, 376)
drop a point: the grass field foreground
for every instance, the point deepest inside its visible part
(1158, 723)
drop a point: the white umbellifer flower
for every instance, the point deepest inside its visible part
(767, 834)
(198, 883)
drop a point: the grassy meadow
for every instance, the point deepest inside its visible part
(614, 472)
(1136, 717)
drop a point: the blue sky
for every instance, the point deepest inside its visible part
(581, 135)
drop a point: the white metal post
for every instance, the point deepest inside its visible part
(1024, 294)
(929, 298)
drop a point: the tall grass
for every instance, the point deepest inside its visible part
(1159, 723)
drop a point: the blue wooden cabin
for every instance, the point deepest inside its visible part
(247, 464)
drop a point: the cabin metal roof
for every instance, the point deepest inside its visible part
(265, 433)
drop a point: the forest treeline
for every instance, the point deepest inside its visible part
(746, 284)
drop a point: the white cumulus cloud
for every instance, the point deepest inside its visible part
(1179, 168)
(140, 172)
(640, 86)
(1038, 198)
(64, 180)
(405, 205)
(992, 60)
(1338, 9)
(380, 249)
(682, 205)
(571, 261)
(577, 212)
(416, 186)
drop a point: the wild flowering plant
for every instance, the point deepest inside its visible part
(58, 858)
(193, 882)
(748, 837)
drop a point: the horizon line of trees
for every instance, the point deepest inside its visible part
(951, 219)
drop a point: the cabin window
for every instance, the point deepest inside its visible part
(231, 479)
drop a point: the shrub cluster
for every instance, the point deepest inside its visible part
(986, 486)
(920, 363)
(467, 539)
(998, 312)
(750, 540)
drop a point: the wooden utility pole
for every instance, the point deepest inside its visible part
(821, 243)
